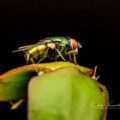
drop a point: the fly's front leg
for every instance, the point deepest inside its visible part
(74, 59)
(70, 57)
(74, 56)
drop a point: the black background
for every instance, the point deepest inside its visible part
(96, 24)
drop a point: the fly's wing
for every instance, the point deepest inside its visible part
(24, 48)
(53, 39)
(27, 47)
(44, 41)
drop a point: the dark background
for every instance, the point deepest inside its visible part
(96, 24)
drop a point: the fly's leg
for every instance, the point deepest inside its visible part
(74, 59)
(70, 57)
(44, 56)
(74, 56)
(94, 74)
(56, 57)
(17, 104)
(59, 54)
(37, 71)
(60, 51)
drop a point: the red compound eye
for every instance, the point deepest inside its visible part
(74, 44)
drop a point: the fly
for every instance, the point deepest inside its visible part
(51, 48)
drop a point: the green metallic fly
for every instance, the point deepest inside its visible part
(51, 48)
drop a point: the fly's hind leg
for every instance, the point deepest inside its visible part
(37, 71)
(44, 56)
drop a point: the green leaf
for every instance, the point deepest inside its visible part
(66, 94)
(57, 65)
(14, 83)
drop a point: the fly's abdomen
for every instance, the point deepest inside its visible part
(36, 53)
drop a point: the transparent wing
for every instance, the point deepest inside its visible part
(51, 39)
(27, 47)
(24, 48)
(44, 41)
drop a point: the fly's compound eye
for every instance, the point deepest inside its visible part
(74, 44)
